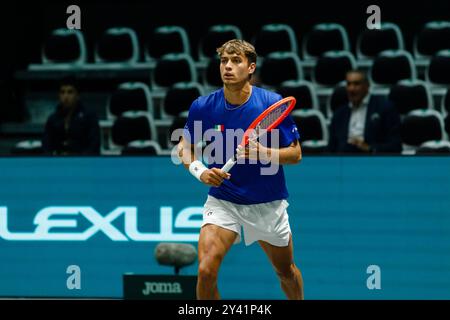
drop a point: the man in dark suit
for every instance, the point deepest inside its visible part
(367, 124)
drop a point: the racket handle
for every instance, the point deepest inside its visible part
(227, 166)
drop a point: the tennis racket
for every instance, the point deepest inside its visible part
(267, 120)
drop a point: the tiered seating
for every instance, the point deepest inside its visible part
(161, 70)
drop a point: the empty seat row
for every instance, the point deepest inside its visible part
(118, 44)
(386, 69)
(134, 132)
(406, 95)
(329, 69)
(121, 44)
(422, 130)
(136, 96)
(411, 98)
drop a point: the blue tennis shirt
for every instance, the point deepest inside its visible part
(212, 120)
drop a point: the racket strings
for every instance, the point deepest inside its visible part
(272, 116)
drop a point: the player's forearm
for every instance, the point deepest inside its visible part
(186, 153)
(288, 155)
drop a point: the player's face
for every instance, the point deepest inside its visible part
(357, 88)
(68, 96)
(234, 68)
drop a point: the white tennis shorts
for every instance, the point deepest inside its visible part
(264, 221)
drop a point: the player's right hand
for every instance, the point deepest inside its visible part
(214, 177)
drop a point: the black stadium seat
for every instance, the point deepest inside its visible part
(141, 147)
(180, 97)
(324, 37)
(420, 126)
(337, 98)
(173, 68)
(311, 124)
(373, 41)
(130, 96)
(130, 126)
(434, 147)
(177, 124)
(280, 66)
(445, 104)
(27, 148)
(215, 37)
(167, 39)
(391, 66)
(275, 37)
(64, 46)
(447, 124)
(117, 45)
(211, 77)
(332, 67)
(303, 91)
(410, 95)
(438, 72)
(433, 37)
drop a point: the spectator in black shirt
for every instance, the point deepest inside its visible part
(71, 129)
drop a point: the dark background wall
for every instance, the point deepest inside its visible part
(25, 25)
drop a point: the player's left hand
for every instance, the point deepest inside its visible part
(254, 150)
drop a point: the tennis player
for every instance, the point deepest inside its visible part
(244, 198)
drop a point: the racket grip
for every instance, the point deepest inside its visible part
(227, 166)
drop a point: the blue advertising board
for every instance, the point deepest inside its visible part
(105, 215)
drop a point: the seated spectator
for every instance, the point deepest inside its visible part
(71, 129)
(367, 124)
